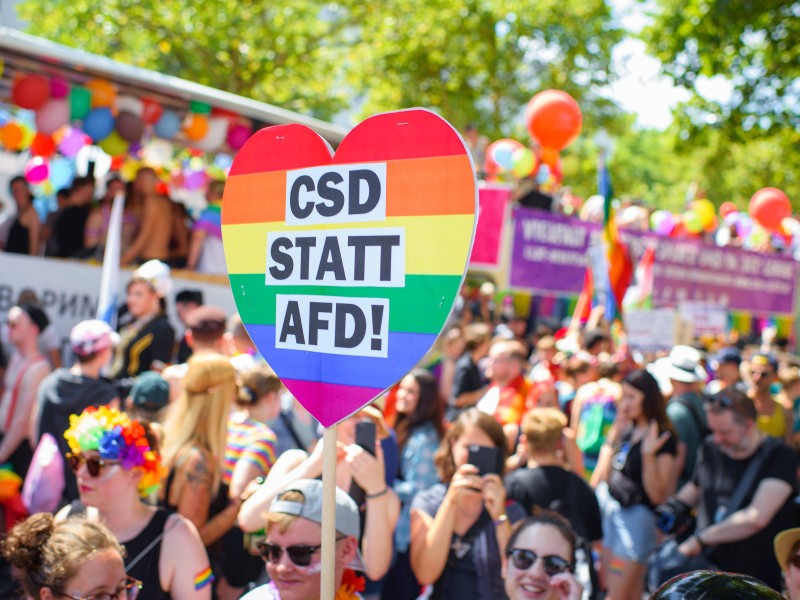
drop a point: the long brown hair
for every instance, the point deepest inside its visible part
(653, 405)
(430, 408)
(445, 463)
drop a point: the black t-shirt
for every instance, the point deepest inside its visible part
(717, 475)
(61, 394)
(69, 230)
(139, 348)
(466, 377)
(632, 466)
(555, 488)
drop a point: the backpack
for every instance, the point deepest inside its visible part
(44, 482)
(597, 415)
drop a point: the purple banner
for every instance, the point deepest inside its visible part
(548, 256)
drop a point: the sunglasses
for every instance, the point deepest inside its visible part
(525, 559)
(760, 374)
(300, 555)
(94, 464)
(719, 402)
(127, 591)
(794, 561)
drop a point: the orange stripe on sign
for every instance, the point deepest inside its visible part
(443, 185)
(254, 198)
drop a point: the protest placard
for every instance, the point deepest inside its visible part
(345, 268)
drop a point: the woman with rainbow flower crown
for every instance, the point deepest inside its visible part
(117, 466)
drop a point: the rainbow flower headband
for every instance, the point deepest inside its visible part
(116, 437)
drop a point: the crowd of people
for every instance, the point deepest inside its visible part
(153, 226)
(519, 459)
(185, 465)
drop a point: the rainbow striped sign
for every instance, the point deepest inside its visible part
(344, 269)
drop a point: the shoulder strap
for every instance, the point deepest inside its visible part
(698, 420)
(287, 421)
(749, 476)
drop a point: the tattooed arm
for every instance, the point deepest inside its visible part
(194, 496)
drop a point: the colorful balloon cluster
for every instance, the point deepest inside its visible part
(768, 222)
(553, 119)
(66, 118)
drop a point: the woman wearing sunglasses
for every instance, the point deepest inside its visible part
(460, 527)
(635, 473)
(541, 559)
(77, 559)
(116, 469)
(787, 552)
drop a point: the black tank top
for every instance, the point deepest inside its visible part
(18, 241)
(143, 553)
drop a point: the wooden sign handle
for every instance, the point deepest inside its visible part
(328, 579)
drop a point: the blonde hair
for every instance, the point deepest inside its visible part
(283, 520)
(542, 428)
(199, 417)
(49, 554)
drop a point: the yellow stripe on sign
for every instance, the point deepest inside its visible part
(434, 245)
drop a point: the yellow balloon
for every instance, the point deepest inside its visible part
(705, 210)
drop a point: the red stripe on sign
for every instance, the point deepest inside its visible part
(281, 148)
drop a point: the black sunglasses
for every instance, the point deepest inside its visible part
(524, 560)
(94, 464)
(794, 561)
(300, 555)
(719, 401)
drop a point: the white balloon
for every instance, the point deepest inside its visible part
(215, 137)
(130, 104)
(157, 152)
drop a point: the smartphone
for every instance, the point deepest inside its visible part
(365, 435)
(487, 458)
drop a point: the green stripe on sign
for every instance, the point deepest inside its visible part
(420, 307)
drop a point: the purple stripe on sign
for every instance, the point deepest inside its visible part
(334, 400)
(405, 350)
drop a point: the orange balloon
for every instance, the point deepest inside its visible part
(196, 126)
(549, 157)
(554, 118)
(11, 134)
(43, 145)
(103, 93)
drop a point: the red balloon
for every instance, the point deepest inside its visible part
(554, 118)
(30, 91)
(769, 206)
(549, 156)
(43, 145)
(727, 208)
(151, 111)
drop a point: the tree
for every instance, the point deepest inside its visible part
(471, 60)
(478, 61)
(750, 43)
(284, 53)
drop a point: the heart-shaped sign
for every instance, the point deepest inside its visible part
(345, 268)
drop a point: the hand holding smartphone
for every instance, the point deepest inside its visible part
(488, 459)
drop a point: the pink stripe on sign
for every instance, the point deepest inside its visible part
(331, 400)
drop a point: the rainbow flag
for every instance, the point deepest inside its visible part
(430, 201)
(620, 267)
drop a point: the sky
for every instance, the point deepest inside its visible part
(640, 87)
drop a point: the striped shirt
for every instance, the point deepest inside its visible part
(251, 441)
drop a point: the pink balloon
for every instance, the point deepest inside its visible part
(72, 142)
(52, 116)
(59, 88)
(37, 170)
(237, 136)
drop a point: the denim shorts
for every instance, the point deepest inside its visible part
(630, 532)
